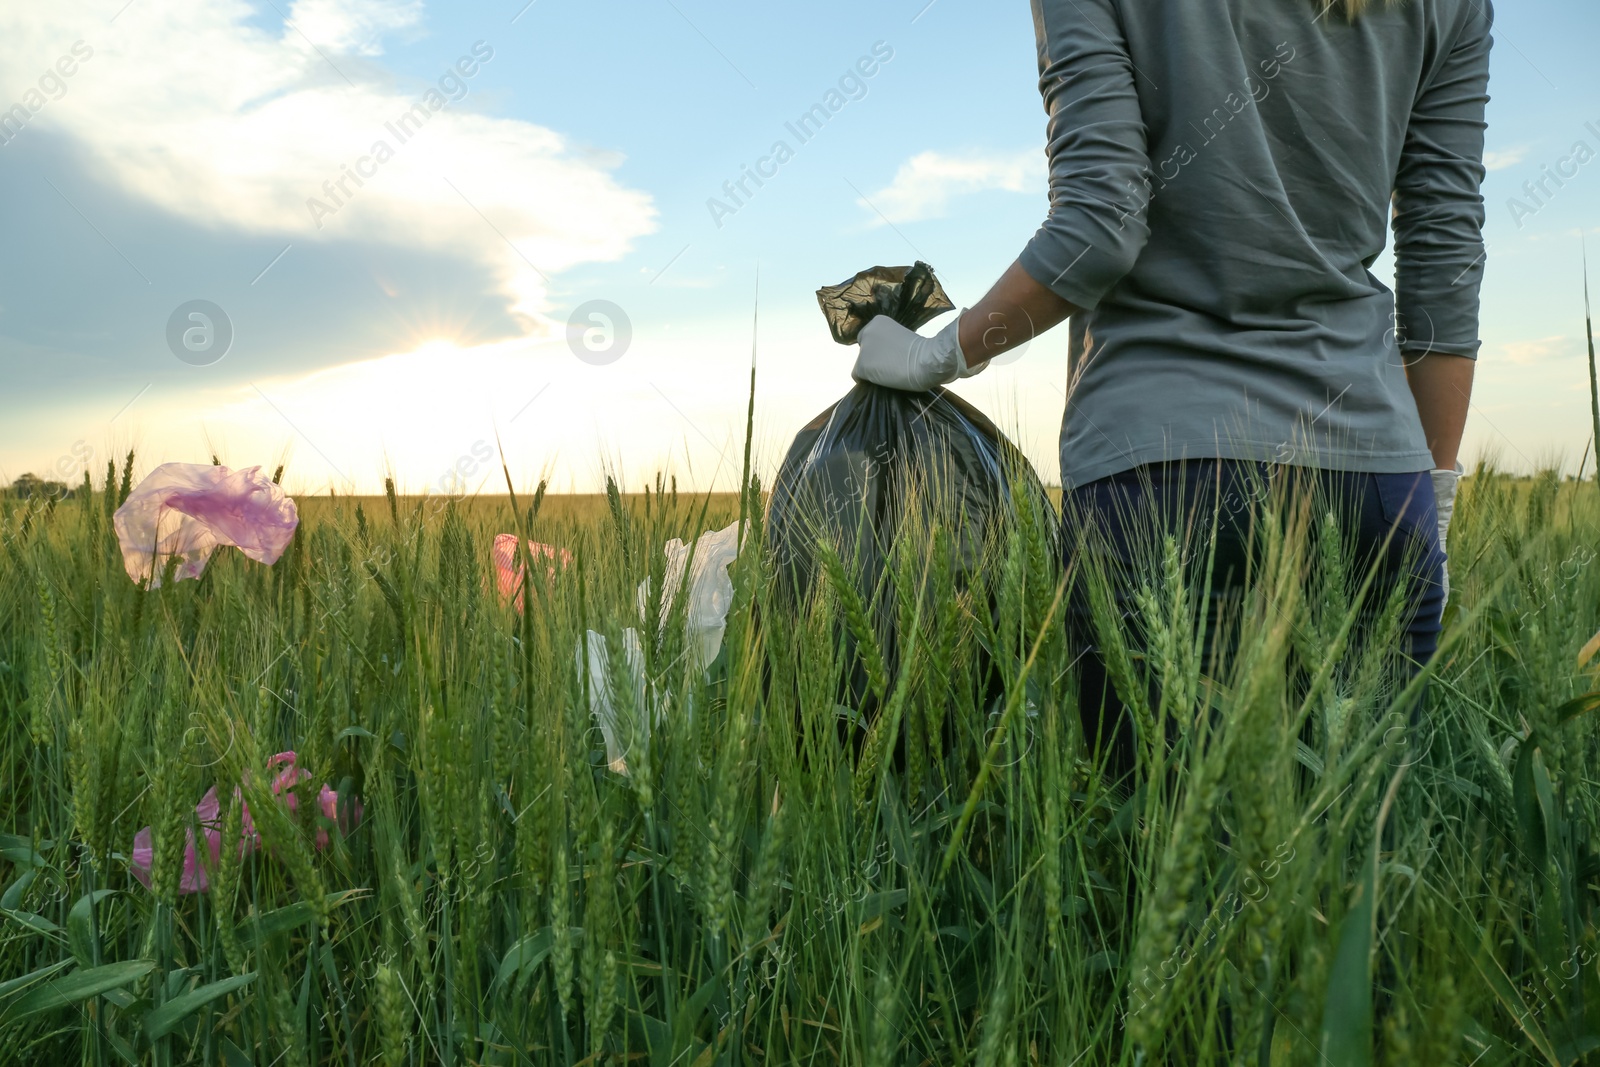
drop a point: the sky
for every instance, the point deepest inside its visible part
(389, 237)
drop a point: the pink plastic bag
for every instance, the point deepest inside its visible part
(208, 816)
(188, 510)
(327, 799)
(509, 564)
(194, 880)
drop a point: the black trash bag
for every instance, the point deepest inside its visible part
(911, 296)
(882, 462)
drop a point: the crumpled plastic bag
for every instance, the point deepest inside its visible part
(189, 510)
(710, 589)
(510, 565)
(195, 877)
(706, 622)
(620, 733)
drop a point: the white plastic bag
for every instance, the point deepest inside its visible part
(710, 597)
(710, 589)
(621, 730)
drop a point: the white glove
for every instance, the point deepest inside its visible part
(899, 358)
(1444, 498)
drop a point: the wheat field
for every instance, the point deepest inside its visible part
(939, 876)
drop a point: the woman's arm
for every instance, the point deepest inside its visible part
(1438, 237)
(1442, 387)
(1015, 311)
(1099, 182)
(1099, 207)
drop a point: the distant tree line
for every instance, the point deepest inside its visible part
(29, 486)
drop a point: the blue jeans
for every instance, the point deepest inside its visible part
(1388, 520)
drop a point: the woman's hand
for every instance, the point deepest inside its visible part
(1010, 315)
(899, 358)
(1444, 502)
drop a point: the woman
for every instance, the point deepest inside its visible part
(1221, 175)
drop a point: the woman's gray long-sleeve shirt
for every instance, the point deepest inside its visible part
(1221, 176)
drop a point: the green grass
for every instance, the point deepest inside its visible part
(1303, 880)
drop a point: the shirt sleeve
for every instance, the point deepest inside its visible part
(1438, 203)
(1099, 161)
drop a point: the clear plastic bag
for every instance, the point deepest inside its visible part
(189, 510)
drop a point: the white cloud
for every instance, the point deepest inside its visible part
(1523, 353)
(353, 26)
(925, 184)
(189, 107)
(1505, 157)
